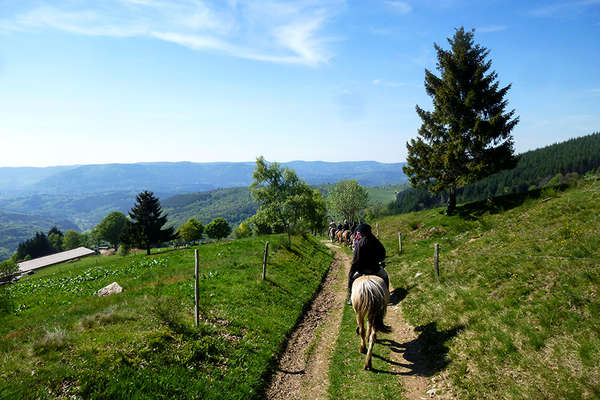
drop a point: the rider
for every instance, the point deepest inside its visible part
(368, 254)
(346, 225)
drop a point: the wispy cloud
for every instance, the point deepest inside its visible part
(382, 82)
(563, 8)
(272, 31)
(491, 28)
(401, 7)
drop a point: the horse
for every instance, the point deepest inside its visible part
(346, 237)
(370, 297)
(338, 235)
(332, 231)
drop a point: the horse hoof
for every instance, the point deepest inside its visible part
(363, 351)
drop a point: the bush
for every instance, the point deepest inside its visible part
(123, 250)
(242, 231)
(7, 269)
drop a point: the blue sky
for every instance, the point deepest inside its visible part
(85, 82)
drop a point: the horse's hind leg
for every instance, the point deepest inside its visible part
(361, 332)
(372, 338)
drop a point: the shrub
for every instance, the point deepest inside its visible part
(53, 340)
(123, 250)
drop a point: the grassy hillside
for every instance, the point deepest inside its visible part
(516, 311)
(59, 340)
(384, 194)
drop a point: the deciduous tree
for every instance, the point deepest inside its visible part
(467, 135)
(71, 240)
(110, 228)
(284, 199)
(218, 229)
(347, 199)
(191, 230)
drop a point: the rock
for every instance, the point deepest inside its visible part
(431, 392)
(418, 274)
(110, 289)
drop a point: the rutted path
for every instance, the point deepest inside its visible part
(303, 368)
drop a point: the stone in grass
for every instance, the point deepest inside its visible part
(110, 289)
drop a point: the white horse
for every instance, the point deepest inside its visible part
(370, 297)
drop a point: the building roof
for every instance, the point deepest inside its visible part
(52, 259)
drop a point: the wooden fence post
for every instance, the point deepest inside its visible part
(399, 243)
(436, 262)
(196, 294)
(264, 274)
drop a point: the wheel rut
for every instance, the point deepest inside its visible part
(303, 368)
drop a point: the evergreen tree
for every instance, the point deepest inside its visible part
(55, 237)
(467, 135)
(37, 246)
(146, 221)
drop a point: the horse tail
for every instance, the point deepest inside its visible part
(370, 297)
(378, 323)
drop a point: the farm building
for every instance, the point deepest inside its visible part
(46, 261)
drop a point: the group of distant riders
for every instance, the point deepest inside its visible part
(369, 253)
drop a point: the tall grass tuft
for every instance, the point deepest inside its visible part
(53, 340)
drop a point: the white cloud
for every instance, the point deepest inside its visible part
(381, 82)
(401, 7)
(272, 31)
(563, 8)
(491, 28)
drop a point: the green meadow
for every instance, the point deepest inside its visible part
(59, 340)
(515, 312)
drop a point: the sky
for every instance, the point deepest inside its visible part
(122, 81)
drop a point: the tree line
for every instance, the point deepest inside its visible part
(554, 164)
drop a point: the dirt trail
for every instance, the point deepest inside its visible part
(303, 368)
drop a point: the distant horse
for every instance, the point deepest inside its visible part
(338, 236)
(346, 237)
(332, 233)
(370, 297)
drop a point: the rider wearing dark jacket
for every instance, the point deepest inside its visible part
(346, 226)
(368, 253)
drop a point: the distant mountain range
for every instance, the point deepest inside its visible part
(180, 177)
(78, 197)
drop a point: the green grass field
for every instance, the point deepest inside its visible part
(516, 311)
(59, 340)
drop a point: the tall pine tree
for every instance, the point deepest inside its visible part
(467, 135)
(146, 221)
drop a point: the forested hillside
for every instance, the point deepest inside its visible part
(15, 228)
(559, 162)
(235, 205)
